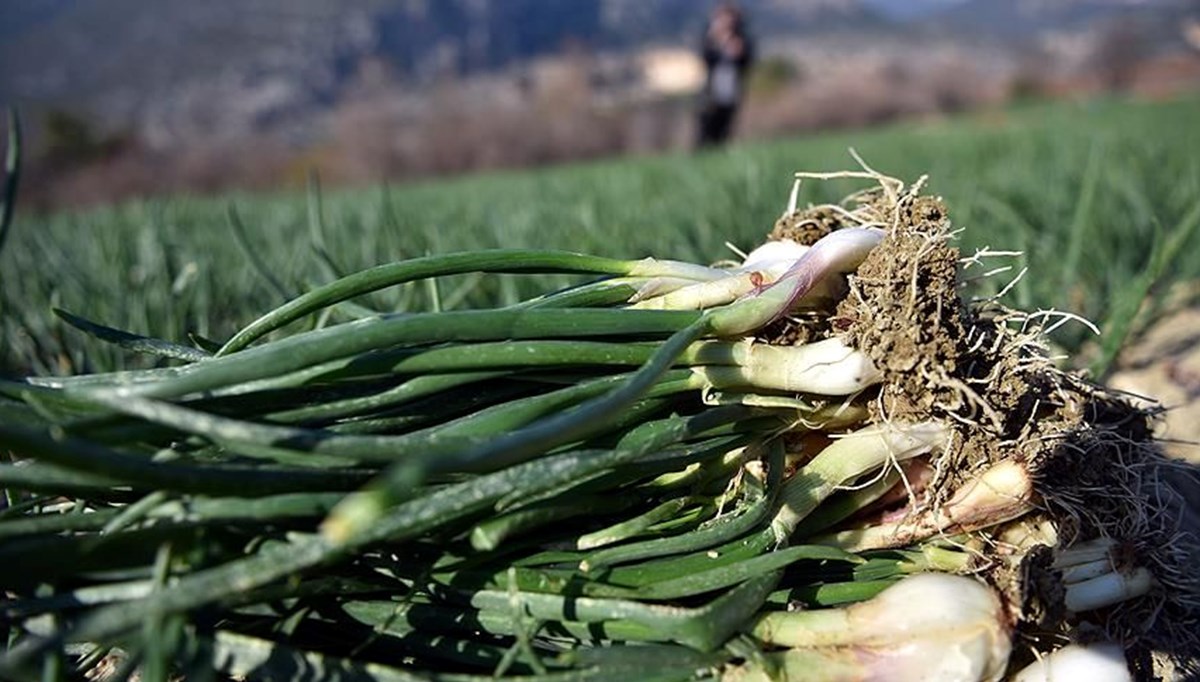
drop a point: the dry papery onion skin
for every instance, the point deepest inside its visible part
(1095, 469)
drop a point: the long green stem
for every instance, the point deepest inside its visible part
(47, 478)
(821, 368)
(592, 295)
(80, 455)
(12, 173)
(506, 261)
(353, 338)
(362, 509)
(847, 503)
(436, 447)
(838, 464)
(739, 317)
(846, 459)
(720, 531)
(414, 389)
(408, 520)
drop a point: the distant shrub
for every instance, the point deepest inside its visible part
(773, 74)
(69, 139)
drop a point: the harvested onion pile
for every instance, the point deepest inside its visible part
(817, 464)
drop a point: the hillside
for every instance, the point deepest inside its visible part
(254, 65)
(1097, 195)
(118, 56)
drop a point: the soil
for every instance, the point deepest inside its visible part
(1097, 468)
(1163, 366)
(944, 360)
(807, 226)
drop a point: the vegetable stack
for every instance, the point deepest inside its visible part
(819, 463)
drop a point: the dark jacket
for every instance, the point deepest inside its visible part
(715, 59)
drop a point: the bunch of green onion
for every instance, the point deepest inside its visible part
(624, 478)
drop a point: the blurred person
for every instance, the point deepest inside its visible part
(727, 52)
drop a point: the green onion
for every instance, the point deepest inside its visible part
(642, 476)
(925, 626)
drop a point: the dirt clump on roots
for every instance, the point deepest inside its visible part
(984, 370)
(807, 226)
(903, 312)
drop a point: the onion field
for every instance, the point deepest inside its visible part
(1102, 198)
(813, 409)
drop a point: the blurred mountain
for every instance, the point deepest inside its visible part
(231, 66)
(910, 10)
(114, 56)
(238, 65)
(1025, 19)
(96, 49)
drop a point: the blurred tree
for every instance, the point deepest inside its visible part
(70, 140)
(771, 75)
(1121, 47)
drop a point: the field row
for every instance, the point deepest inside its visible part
(1102, 198)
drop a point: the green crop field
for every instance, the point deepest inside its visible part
(570, 489)
(1103, 199)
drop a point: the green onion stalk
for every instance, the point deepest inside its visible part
(928, 626)
(794, 467)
